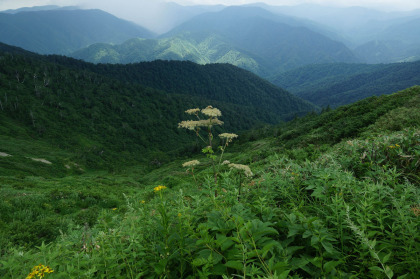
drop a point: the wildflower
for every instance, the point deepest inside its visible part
(191, 163)
(212, 112)
(179, 214)
(228, 136)
(415, 210)
(159, 188)
(142, 201)
(244, 168)
(192, 125)
(225, 162)
(39, 271)
(193, 111)
(114, 208)
(189, 124)
(209, 122)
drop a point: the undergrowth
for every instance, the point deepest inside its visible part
(345, 211)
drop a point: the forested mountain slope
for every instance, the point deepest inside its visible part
(324, 184)
(106, 112)
(340, 84)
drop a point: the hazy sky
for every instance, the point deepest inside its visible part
(118, 4)
(148, 13)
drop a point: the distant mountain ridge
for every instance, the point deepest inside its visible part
(39, 8)
(341, 84)
(63, 31)
(249, 37)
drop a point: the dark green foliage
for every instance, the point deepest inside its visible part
(64, 31)
(340, 84)
(350, 121)
(330, 209)
(112, 115)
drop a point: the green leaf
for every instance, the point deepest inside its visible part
(329, 266)
(389, 272)
(328, 247)
(314, 241)
(199, 262)
(386, 258)
(377, 268)
(306, 234)
(235, 265)
(317, 261)
(283, 275)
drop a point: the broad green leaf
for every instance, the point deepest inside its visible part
(386, 258)
(329, 266)
(235, 265)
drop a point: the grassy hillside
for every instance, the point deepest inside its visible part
(64, 31)
(344, 208)
(340, 84)
(111, 114)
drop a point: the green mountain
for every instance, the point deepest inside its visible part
(249, 37)
(103, 112)
(64, 31)
(340, 84)
(398, 42)
(200, 49)
(326, 195)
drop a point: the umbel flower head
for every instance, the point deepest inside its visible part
(211, 111)
(244, 168)
(193, 111)
(192, 125)
(228, 136)
(191, 163)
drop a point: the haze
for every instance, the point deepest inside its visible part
(152, 14)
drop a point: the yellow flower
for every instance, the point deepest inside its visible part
(142, 201)
(179, 214)
(39, 271)
(114, 208)
(159, 188)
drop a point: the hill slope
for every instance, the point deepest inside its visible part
(64, 31)
(339, 84)
(306, 196)
(112, 114)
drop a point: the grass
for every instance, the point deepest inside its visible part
(345, 210)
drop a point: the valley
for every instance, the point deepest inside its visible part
(249, 141)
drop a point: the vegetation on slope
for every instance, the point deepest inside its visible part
(340, 84)
(343, 210)
(126, 113)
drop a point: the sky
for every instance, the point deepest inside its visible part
(148, 13)
(119, 4)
